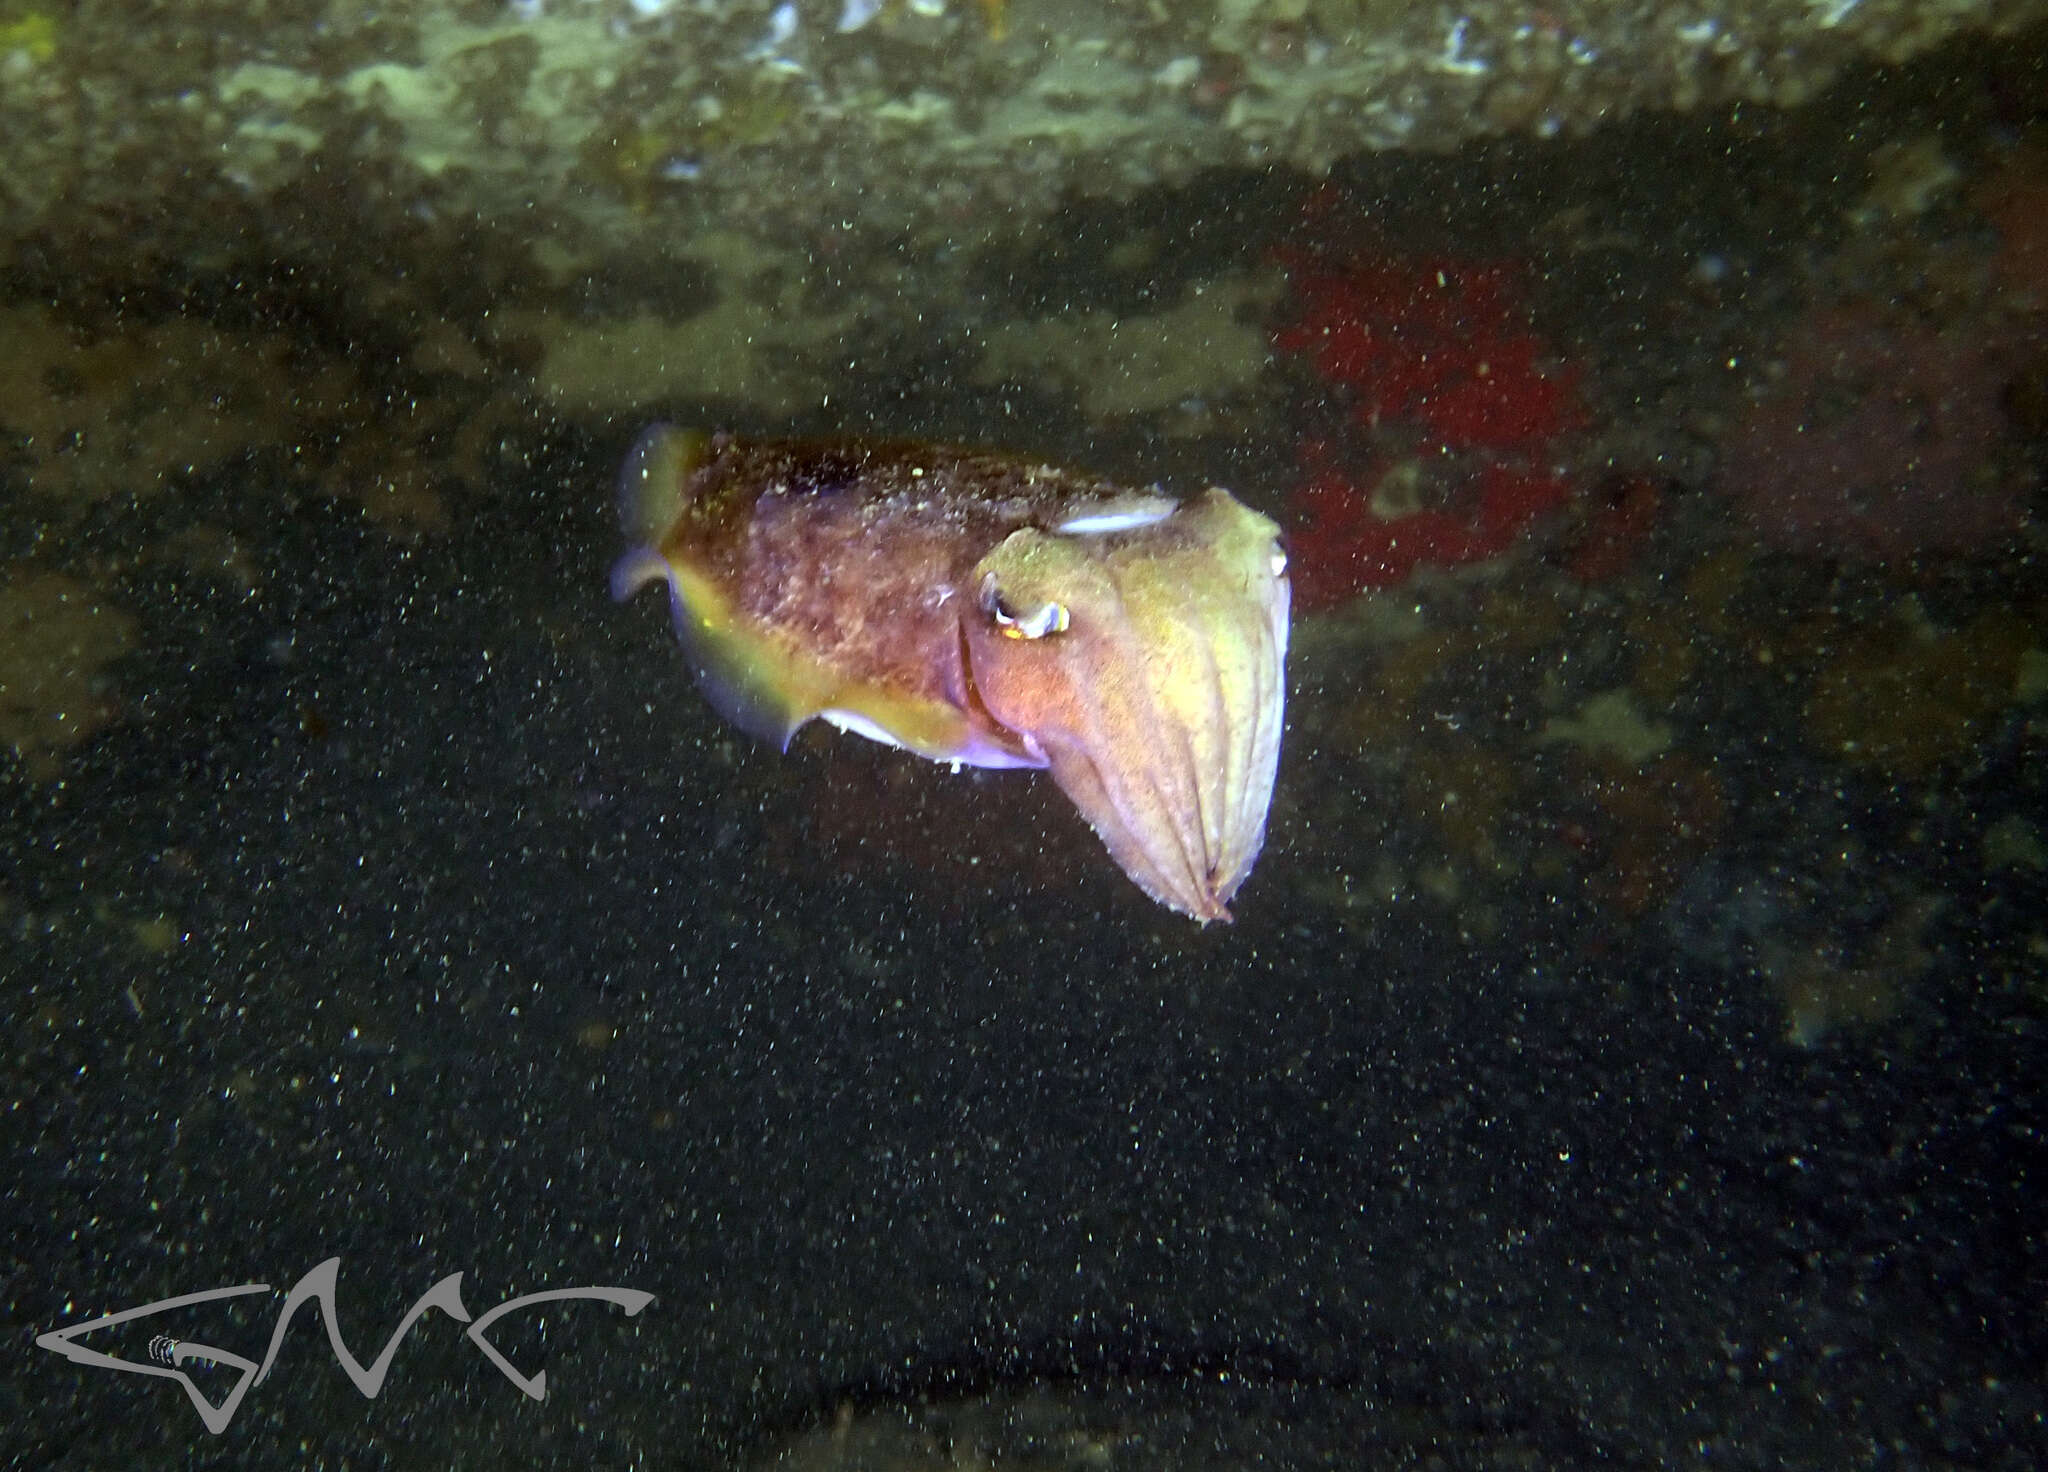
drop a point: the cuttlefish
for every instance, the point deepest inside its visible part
(986, 610)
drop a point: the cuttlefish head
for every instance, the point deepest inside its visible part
(1144, 657)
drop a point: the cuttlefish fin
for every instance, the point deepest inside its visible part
(769, 687)
(755, 681)
(652, 480)
(760, 687)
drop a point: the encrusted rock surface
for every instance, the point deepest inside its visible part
(617, 115)
(547, 143)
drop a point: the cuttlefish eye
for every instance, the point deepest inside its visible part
(1048, 618)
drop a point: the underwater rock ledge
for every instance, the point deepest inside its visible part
(633, 122)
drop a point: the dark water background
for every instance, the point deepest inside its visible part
(496, 953)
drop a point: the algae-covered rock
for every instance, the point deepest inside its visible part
(633, 125)
(1610, 723)
(1211, 344)
(57, 636)
(1905, 704)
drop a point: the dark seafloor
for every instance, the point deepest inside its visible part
(493, 951)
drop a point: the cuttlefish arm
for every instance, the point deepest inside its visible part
(1147, 664)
